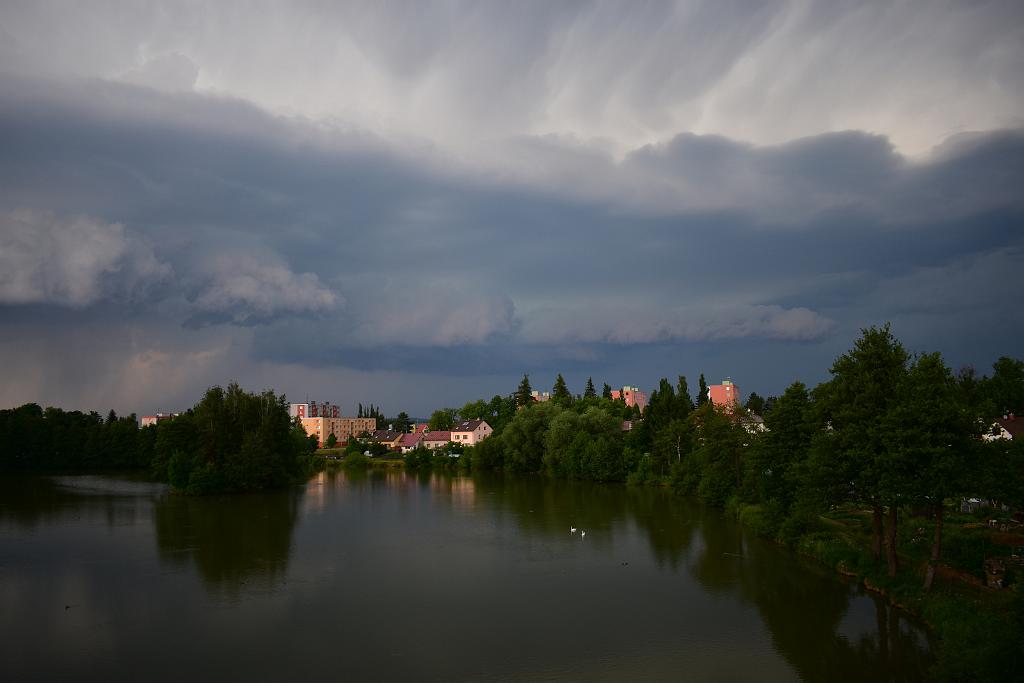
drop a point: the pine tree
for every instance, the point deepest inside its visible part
(560, 392)
(606, 392)
(702, 388)
(684, 404)
(524, 394)
(590, 392)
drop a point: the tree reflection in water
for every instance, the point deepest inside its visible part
(241, 547)
(806, 608)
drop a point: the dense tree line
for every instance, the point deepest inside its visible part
(33, 439)
(231, 440)
(888, 432)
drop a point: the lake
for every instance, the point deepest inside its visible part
(386, 575)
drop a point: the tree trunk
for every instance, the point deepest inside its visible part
(876, 532)
(933, 562)
(890, 541)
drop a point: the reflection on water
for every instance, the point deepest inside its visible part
(379, 574)
(237, 543)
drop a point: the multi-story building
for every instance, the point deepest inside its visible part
(725, 395)
(540, 396)
(313, 409)
(343, 428)
(470, 432)
(150, 420)
(632, 397)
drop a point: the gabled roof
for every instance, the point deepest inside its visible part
(410, 439)
(382, 435)
(468, 425)
(437, 436)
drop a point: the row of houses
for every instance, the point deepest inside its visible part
(466, 433)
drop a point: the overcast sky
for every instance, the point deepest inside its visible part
(412, 204)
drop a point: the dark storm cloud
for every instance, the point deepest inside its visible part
(286, 242)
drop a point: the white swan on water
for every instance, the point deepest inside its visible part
(583, 534)
(572, 530)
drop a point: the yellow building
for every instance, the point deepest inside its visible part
(343, 428)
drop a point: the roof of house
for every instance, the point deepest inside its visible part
(1013, 424)
(437, 436)
(385, 435)
(468, 425)
(410, 439)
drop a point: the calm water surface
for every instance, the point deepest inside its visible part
(389, 576)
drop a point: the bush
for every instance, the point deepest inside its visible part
(354, 460)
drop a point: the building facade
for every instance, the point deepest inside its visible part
(313, 409)
(470, 432)
(632, 397)
(151, 420)
(343, 428)
(725, 395)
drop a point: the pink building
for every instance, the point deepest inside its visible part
(151, 420)
(725, 395)
(470, 432)
(632, 397)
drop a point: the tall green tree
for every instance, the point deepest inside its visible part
(524, 438)
(560, 392)
(784, 448)
(401, 422)
(934, 433)
(702, 390)
(1005, 388)
(441, 420)
(590, 391)
(851, 456)
(606, 391)
(683, 399)
(524, 394)
(755, 403)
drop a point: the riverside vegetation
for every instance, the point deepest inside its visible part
(231, 441)
(864, 472)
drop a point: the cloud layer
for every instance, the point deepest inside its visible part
(427, 202)
(72, 261)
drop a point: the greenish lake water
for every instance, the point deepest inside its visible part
(394, 576)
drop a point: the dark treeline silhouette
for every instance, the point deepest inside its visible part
(232, 440)
(33, 439)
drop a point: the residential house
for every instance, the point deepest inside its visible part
(471, 432)
(388, 437)
(436, 439)
(410, 442)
